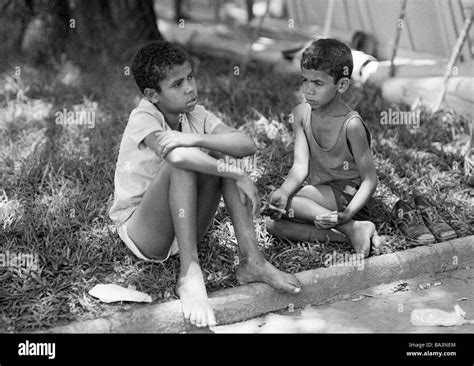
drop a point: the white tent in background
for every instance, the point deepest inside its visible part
(423, 40)
(430, 27)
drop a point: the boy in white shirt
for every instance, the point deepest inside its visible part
(168, 181)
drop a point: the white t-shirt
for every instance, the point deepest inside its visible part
(137, 164)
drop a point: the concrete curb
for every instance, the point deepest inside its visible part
(319, 286)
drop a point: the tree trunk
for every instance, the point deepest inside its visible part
(47, 31)
(116, 24)
(146, 13)
(111, 25)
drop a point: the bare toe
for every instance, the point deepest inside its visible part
(192, 293)
(201, 321)
(376, 241)
(211, 319)
(262, 271)
(192, 318)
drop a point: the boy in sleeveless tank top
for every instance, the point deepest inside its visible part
(331, 154)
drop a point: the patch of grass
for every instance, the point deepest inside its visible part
(58, 182)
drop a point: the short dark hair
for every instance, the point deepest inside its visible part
(152, 63)
(329, 55)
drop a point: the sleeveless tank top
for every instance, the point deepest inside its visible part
(336, 162)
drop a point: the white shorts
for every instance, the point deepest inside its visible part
(122, 231)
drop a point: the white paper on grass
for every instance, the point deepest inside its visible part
(113, 293)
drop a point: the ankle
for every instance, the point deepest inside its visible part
(253, 259)
(346, 228)
(187, 263)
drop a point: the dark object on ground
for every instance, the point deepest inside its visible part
(410, 223)
(440, 229)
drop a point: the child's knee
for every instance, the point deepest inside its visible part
(314, 191)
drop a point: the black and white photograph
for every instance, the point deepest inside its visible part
(217, 168)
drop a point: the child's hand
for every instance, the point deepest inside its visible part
(327, 221)
(279, 199)
(169, 140)
(331, 220)
(248, 190)
(269, 210)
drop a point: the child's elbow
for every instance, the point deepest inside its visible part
(248, 148)
(252, 148)
(176, 157)
(300, 170)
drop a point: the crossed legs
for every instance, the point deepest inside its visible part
(312, 201)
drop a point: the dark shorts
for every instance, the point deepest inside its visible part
(344, 191)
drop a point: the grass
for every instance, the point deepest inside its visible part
(58, 182)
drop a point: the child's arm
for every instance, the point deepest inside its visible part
(224, 139)
(299, 170)
(196, 160)
(365, 164)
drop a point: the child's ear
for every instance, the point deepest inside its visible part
(343, 84)
(152, 95)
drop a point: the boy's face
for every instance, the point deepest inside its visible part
(318, 87)
(178, 90)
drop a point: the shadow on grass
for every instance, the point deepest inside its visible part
(59, 184)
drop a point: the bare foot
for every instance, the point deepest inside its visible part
(363, 235)
(376, 242)
(262, 271)
(360, 236)
(192, 293)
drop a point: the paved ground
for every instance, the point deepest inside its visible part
(319, 287)
(380, 309)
